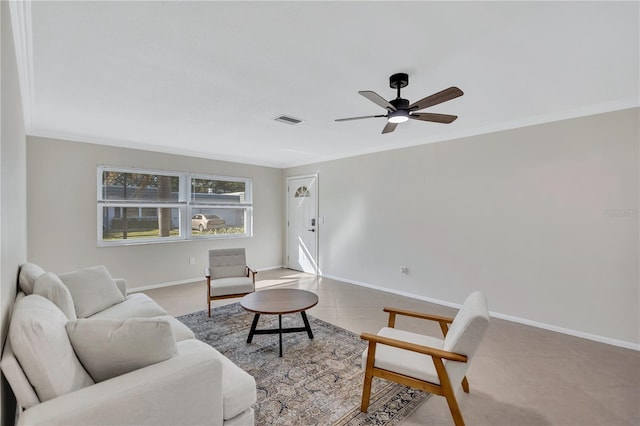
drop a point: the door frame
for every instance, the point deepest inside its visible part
(317, 201)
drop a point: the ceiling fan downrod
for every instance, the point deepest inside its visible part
(398, 81)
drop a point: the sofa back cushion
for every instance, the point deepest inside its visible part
(92, 289)
(41, 345)
(108, 348)
(29, 272)
(49, 286)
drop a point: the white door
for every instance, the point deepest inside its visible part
(302, 235)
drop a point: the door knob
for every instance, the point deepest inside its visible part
(312, 230)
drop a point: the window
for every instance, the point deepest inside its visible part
(301, 192)
(219, 206)
(146, 206)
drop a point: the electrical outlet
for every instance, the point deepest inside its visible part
(192, 261)
(404, 270)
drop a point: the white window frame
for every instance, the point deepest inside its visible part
(185, 206)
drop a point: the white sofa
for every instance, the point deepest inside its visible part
(80, 351)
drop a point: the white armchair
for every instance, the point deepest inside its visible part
(228, 275)
(423, 362)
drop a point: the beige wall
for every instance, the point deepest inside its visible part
(544, 219)
(13, 205)
(63, 224)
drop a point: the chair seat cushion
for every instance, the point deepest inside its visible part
(234, 285)
(406, 362)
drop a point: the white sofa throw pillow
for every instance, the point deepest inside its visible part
(41, 345)
(92, 289)
(109, 348)
(49, 286)
(29, 272)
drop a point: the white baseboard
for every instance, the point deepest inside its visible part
(165, 284)
(583, 335)
(187, 281)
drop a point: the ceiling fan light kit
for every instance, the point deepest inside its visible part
(399, 110)
(398, 116)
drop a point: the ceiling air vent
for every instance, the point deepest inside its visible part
(288, 119)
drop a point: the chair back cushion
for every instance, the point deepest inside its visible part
(466, 332)
(227, 263)
(41, 345)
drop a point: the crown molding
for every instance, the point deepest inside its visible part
(20, 13)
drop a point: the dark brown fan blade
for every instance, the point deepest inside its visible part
(436, 118)
(359, 118)
(390, 127)
(436, 98)
(377, 99)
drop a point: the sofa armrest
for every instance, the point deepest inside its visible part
(122, 286)
(185, 389)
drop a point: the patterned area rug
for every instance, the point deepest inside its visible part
(316, 382)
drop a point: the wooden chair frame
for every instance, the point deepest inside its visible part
(445, 388)
(249, 271)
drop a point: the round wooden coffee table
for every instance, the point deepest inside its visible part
(279, 302)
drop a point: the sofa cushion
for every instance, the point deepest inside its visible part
(49, 286)
(238, 386)
(238, 389)
(137, 305)
(180, 331)
(22, 389)
(29, 272)
(41, 345)
(110, 348)
(92, 289)
(122, 286)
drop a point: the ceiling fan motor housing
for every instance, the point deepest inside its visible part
(400, 103)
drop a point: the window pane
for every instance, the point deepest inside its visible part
(123, 186)
(219, 221)
(133, 223)
(209, 191)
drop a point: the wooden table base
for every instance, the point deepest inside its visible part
(280, 330)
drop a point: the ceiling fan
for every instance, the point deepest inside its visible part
(399, 110)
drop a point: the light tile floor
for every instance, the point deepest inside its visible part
(521, 375)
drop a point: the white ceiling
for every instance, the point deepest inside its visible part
(207, 78)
